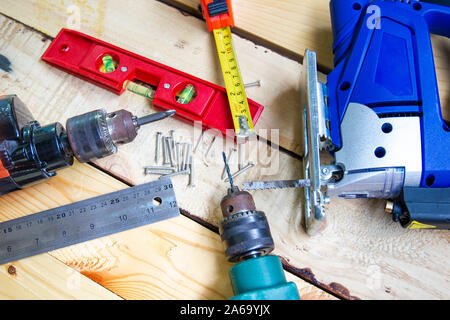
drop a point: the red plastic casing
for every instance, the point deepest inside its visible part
(220, 21)
(81, 55)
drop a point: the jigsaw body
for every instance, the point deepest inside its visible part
(383, 121)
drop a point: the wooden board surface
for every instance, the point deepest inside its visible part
(361, 254)
(173, 259)
(291, 26)
(44, 277)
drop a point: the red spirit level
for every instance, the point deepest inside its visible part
(114, 68)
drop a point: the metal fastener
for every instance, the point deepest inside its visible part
(210, 147)
(174, 174)
(159, 168)
(234, 175)
(158, 146)
(240, 156)
(199, 140)
(253, 84)
(187, 153)
(166, 86)
(165, 151)
(191, 172)
(178, 149)
(171, 151)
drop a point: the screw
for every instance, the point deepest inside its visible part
(124, 69)
(174, 174)
(232, 150)
(253, 84)
(158, 146)
(234, 175)
(166, 86)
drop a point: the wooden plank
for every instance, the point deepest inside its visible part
(189, 49)
(291, 26)
(173, 259)
(44, 277)
(360, 237)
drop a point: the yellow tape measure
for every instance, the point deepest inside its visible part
(242, 119)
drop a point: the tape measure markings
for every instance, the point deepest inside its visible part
(240, 111)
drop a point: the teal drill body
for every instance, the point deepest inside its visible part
(246, 236)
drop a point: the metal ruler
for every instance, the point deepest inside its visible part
(86, 220)
(237, 98)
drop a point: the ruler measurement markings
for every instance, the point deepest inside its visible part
(86, 220)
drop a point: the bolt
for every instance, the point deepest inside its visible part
(232, 150)
(158, 146)
(253, 84)
(124, 69)
(166, 86)
(234, 175)
(174, 174)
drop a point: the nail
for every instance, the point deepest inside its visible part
(253, 84)
(240, 156)
(174, 174)
(165, 152)
(210, 147)
(234, 175)
(191, 172)
(186, 156)
(158, 146)
(199, 140)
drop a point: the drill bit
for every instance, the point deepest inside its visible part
(154, 117)
(227, 168)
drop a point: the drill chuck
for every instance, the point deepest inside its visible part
(246, 235)
(244, 231)
(30, 152)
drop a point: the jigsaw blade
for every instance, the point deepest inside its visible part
(276, 184)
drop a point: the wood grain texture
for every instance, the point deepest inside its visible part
(293, 26)
(44, 277)
(172, 259)
(362, 253)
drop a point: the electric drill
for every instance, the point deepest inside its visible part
(30, 153)
(246, 235)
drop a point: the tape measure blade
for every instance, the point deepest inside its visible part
(237, 97)
(87, 220)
